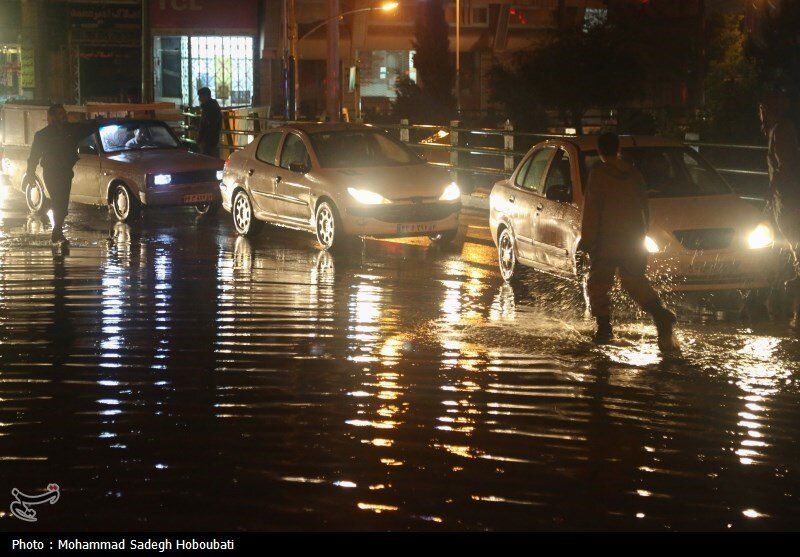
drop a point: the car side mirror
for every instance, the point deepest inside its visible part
(298, 167)
(560, 193)
(87, 150)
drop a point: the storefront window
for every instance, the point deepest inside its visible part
(9, 72)
(183, 64)
(381, 68)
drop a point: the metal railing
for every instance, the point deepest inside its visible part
(481, 154)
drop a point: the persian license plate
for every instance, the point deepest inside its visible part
(197, 198)
(415, 228)
(714, 267)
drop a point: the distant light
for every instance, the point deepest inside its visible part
(162, 179)
(389, 6)
(571, 131)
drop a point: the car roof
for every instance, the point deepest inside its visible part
(589, 142)
(314, 127)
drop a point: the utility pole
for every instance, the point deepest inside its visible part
(458, 57)
(147, 54)
(332, 96)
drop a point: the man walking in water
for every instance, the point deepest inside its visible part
(615, 222)
(56, 147)
(783, 160)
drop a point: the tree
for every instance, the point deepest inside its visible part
(732, 84)
(432, 97)
(577, 70)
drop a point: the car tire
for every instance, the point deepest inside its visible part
(125, 205)
(244, 219)
(510, 268)
(207, 209)
(36, 197)
(328, 227)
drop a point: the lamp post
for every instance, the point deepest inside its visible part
(458, 57)
(332, 71)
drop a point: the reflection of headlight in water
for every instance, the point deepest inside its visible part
(761, 237)
(651, 245)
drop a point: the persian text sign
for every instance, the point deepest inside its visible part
(208, 17)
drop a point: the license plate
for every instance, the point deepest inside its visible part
(197, 198)
(414, 228)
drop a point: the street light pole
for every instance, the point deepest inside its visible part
(333, 52)
(333, 82)
(458, 57)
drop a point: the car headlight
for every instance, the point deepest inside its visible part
(367, 197)
(451, 193)
(761, 237)
(220, 174)
(650, 245)
(162, 179)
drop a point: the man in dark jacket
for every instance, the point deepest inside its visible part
(56, 147)
(615, 222)
(783, 161)
(210, 124)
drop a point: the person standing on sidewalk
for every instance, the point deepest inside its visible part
(615, 221)
(210, 124)
(56, 147)
(783, 161)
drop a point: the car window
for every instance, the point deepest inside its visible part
(88, 145)
(537, 164)
(355, 148)
(268, 147)
(294, 152)
(675, 172)
(560, 173)
(136, 135)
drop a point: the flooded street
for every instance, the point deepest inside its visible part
(169, 375)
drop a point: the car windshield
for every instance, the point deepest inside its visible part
(136, 135)
(669, 171)
(360, 148)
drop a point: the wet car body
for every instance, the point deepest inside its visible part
(285, 177)
(161, 174)
(704, 239)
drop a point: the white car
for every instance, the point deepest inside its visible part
(702, 235)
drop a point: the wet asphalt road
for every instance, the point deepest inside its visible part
(169, 375)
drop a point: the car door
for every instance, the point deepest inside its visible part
(556, 226)
(262, 172)
(86, 174)
(526, 199)
(292, 189)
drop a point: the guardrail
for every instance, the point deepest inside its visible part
(487, 154)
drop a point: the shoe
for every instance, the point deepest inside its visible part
(665, 321)
(604, 333)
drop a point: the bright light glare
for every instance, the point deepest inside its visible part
(451, 193)
(761, 237)
(367, 197)
(389, 6)
(651, 245)
(220, 174)
(162, 179)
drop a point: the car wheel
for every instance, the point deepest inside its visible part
(36, 198)
(207, 209)
(510, 269)
(328, 227)
(244, 221)
(125, 205)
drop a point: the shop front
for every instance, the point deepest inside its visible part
(204, 43)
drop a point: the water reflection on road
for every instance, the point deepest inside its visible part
(170, 375)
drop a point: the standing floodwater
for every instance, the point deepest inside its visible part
(168, 375)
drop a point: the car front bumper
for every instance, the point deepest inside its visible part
(183, 194)
(724, 270)
(401, 220)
